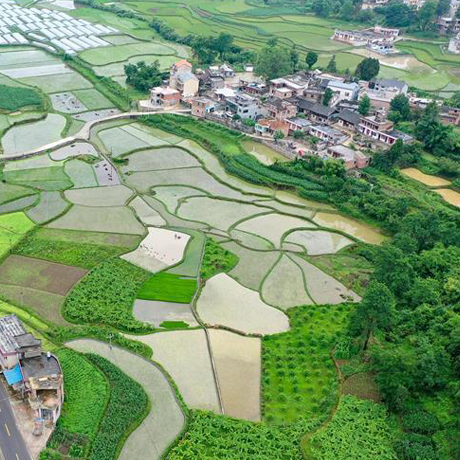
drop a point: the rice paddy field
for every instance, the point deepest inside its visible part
(122, 249)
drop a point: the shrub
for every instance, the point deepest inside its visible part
(13, 98)
(216, 259)
(415, 447)
(420, 422)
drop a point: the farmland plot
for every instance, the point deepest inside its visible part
(9, 192)
(171, 195)
(273, 226)
(118, 141)
(161, 158)
(80, 173)
(185, 356)
(13, 227)
(191, 264)
(318, 242)
(146, 214)
(18, 205)
(51, 205)
(156, 313)
(322, 287)
(252, 266)
(161, 248)
(52, 178)
(225, 302)
(115, 219)
(37, 161)
(164, 422)
(238, 367)
(73, 150)
(350, 226)
(251, 241)
(117, 195)
(220, 214)
(284, 286)
(30, 136)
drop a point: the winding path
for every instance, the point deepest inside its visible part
(165, 420)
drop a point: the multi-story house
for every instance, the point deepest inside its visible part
(243, 105)
(183, 79)
(164, 97)
(280, 109)
(344, 91)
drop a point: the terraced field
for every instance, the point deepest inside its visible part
(129, 255)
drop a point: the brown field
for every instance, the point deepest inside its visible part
(39, 274)
(361, 385)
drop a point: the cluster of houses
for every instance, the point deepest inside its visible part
(49, 29)
(34, 375)
(291, 105)
(378, 39)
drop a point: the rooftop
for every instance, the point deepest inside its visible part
(10, 328)
(40, 367)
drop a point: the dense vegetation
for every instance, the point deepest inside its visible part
(142, 76)
(106, 296)
(86, 394)
(359, 429)
(13, 98)
(216, 259)
(127, 407)
(210, 436)
(168, 287)
(299, 377)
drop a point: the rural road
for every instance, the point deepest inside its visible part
(11, 442)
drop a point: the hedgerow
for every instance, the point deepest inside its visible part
(106, 296)
(359, 430)
(127, 407)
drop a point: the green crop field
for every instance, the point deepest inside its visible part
(13, 227)
(168, 287)
(299, 378)
(13, 98)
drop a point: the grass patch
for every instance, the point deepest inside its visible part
(360, 430)
(168, 287)
(106, 296)
(41, 245)
(174, 325)
(14, 98)
(51, 178)
(216, 259)
(13, 227)
(299, 376)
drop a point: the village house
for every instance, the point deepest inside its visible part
(417, 4)
(298, 124)
(449, 25)
(210, 80)
(348, 119)
(164, 97)
(288, 87)
(316, 112)
(344, 91)
(243, 105)
(327, 134)
(280, 109)
(32, 373)
(183, 79)
(381, 91)
(378, 39)
(450, 115)
(202, 106)
(371, 4)
(381, 130)
(351, 158)
(254, 88)
(268, 127)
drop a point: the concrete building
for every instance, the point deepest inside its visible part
(328, 134)
(164, 97)
(345, 91)
(183, 79)
(381, 130)
(280, 109)
(32, 373)
(379, 39)
(243, 105)
(351, 158)
(202, 106)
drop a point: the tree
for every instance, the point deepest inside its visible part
(332, 66)
(367, 69)
(294, 58)
(400, 108)
(222, 44)
(364, 105)
(298, 134)
(328, 94)
(375, 311)
(278, 135)
(322, 8)
(311, 59)
(347, 11)
(273, 62)
(366, 16)
(398, 14)
(442, 8)
(426, 16)
(202, 49)
(143, 77)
